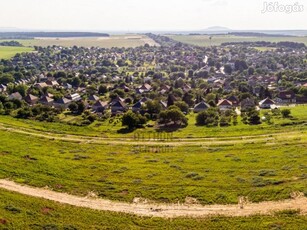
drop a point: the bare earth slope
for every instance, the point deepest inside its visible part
(159, 210)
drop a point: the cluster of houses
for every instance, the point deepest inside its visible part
(120, 105)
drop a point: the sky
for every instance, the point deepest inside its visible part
(148, 15)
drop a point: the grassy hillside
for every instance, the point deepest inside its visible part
(203, 40)
(264, 163)
(7, 52)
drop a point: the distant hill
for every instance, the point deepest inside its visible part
(25, 35)
(217, 28)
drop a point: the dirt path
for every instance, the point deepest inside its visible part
(298, 136)
(159, 210)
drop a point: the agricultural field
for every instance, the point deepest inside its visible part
(203, 40)
(104, 42)
(7, 52)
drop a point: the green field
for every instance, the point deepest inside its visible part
(23, 212)
(130, 40)
(203, 40)
(263, 163)
(7, 52)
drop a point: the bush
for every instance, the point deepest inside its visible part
(208, 117)
(285, 113)
(133, 120)
(173, 116)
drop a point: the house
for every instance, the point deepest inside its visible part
(2, 88)
(49, 95)
(301, 100)
(286, 97)
(225, 104)
(45, 100)
(74, 97)
(144, 88)
(31, 99)
(52, 83)
(100, 106)
(118, 107)
(266, 103)
(118, 98)
(40, 85)
(163, 105)
(234, 100)
(62, 103)
(93, 98)
(67, 86)
(201, 107)
(16, 96)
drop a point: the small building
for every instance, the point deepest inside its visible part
(286, 97)
(62, 103)
(93, 98)
(118, 107)
(49, 95)
(234, 100)
(67, 86)
(99, 106)
(266, 103)
(137, 106)
(31, 99)
(225, 104)
(45, 100)
(40, 85)
(52, 83)
(201, 107)
(15, 95)
(74, 97)
(2, 88)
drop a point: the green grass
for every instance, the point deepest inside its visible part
(6, 52)
(104, 42)
(203, 40)
(23, 212)
(265, 168)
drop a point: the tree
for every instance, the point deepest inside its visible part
(24, 113)
(73, 107)
(173, 117)
(153, 107)
(227, 69)
(285, 113)
(182, 106)
(76, 82)
(253, 117)
(6, 78)
(208, 117)
(133, 120)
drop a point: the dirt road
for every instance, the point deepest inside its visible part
(159, 210)
(275, 138)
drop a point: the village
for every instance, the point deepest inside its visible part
(150, 79)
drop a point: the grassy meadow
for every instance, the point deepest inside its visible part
(6, 52)
(211, 166)
(203, 40)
